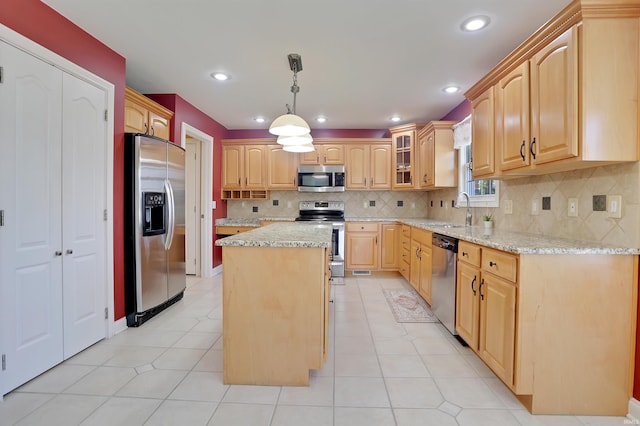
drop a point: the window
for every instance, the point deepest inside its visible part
(482, 193)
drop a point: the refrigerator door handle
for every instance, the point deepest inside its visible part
(170, 213)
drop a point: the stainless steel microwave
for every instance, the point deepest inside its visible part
(321, 178)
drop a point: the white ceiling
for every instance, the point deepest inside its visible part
(363, 60)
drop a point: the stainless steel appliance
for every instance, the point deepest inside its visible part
(321, 178)
(328, 212)
(443, 280)
(154, 215)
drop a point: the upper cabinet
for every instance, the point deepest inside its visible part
(403, 140)
(324, 154)
(142, 115)
(564, 99)
(368, 166)
(282, 168)
(437, 160)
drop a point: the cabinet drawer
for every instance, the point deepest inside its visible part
(362, 227)
(406, 231)
(405, 244)
(422, 236)
(499, 263)
(469, 253)
(232, 230)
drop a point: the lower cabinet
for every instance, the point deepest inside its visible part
(405, 252)
(556, 329)
(420, 264)
(361, 246)
(390, 248)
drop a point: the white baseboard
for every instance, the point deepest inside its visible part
(217, 270)
(634, 411)
(119, 325)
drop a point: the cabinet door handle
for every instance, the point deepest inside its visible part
(153, 131)
(480, 289)
(146, 129)
(465, 254)
(424, 178)
(238, 181)
(370, 181)
(246, 181)
(522, 150)
(473, 282)
(410, 179)
(325, 158)
(491, 264)
(532, 148)
(417, 252)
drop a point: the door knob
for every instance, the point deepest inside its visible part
(58, 253)
(69, 251)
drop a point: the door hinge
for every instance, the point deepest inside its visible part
(1, 74)
(4, 362)
(104, 215)
(106, 313)
(1, 217)
(106, 115)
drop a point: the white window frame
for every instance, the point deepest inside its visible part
(464, 164)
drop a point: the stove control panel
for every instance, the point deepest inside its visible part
(321, 205)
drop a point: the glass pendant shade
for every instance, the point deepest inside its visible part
(289, 125)
(298, 148)
(295, 140)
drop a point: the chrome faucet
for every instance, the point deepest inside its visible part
(469, 216)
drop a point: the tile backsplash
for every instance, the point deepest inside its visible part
(365, 204)
(582, 185)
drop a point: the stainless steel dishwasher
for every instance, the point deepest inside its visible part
(443, 280)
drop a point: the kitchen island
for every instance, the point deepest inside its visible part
(275, 287)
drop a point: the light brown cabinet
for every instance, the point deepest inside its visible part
(324, 154)
(421, 265)
(244, 171)
(282, 168)
(362, 251)
(142, 115)
(525, 317)
(368, 166)
(232, 230)
(390, 247)
(405, 252)
(403, 140)
(437, 159)
(566, 98)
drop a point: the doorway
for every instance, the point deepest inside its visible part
(199, 216)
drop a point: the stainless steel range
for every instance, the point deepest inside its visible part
(328, 212)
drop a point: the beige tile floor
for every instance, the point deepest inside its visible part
(169, 372)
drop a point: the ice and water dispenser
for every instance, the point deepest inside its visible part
(153, 214)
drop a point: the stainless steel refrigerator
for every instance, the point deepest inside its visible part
(154, 215)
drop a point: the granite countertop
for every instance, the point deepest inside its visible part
(509, 241)
(284, 234)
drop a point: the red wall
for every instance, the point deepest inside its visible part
(38, 22)
(316, 133)
(184, 112)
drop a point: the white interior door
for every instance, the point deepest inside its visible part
(31, 235)
(193, 205)
(83, 222)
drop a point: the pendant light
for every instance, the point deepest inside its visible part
(295, 140)
(307, 147)
(290, 124)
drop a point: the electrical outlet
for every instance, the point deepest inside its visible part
(572, 207)
(535, 208)
(508, 206)
(614, 206)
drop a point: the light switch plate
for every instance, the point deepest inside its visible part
(535, 208)
(508, 206)
(614, 206)
(572, 207)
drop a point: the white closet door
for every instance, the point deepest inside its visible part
(30, 196)
(83, 203)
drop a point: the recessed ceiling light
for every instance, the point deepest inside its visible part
(321, 119)
(475, 23)
(451, 89)
(259, 119)
(396, 118)
(220, 76)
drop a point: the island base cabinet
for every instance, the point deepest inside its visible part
(274, 314)
(575, 333)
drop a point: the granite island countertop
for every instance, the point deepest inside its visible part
(505, 240)
(283, 234)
